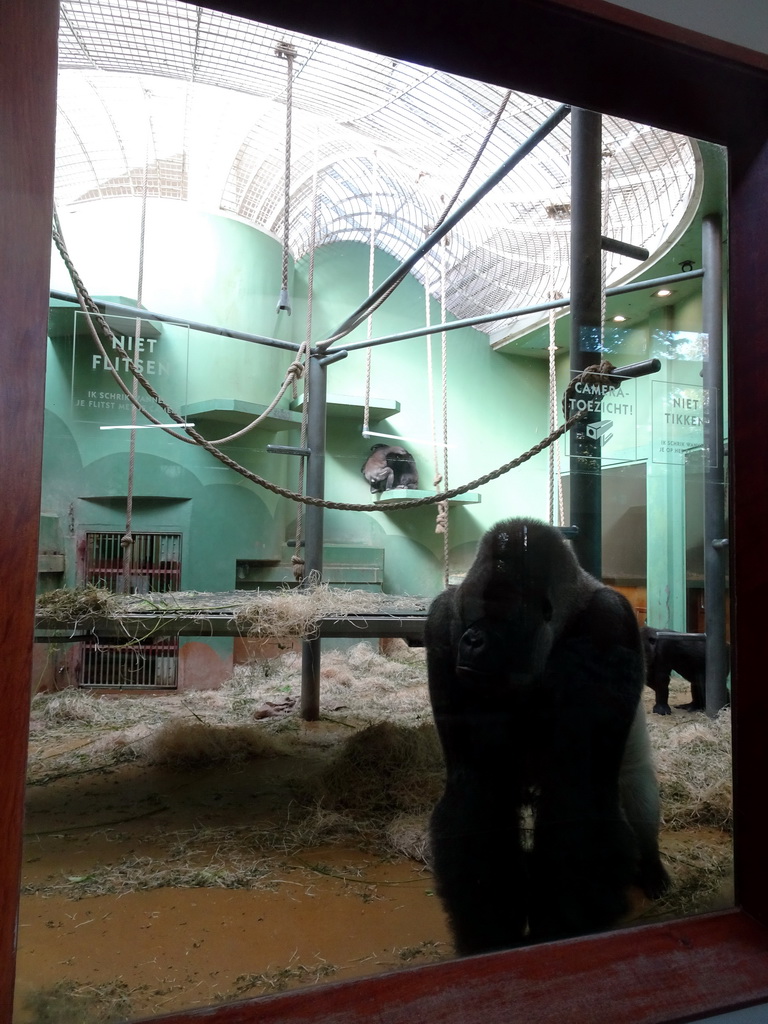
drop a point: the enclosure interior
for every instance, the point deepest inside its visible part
(196, 231)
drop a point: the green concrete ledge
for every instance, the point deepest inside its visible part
(353, 407)
(470, 498)
(239, 413)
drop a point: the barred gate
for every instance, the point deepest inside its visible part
(155, 568)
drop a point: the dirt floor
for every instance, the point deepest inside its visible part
(175, 866)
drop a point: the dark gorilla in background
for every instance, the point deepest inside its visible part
(685, 653)
(551, 808)
(388, 467)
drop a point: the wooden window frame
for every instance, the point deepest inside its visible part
(584, 52)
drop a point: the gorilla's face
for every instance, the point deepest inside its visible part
(515, 645)
(514, 602)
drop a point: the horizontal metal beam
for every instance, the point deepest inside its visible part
(653, 282)
(120, 309)
(641, 369)
(287, 449)
(510, 314)
(614, 245)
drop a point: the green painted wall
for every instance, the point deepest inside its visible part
(214, 269)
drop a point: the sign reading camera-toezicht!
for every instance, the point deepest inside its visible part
(609, 430)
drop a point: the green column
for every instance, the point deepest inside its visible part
(666, 547)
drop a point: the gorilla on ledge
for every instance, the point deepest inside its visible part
(551, 808)
(388, 467)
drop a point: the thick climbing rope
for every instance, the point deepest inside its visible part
(600, 374)
(288, 51)
(192, 436)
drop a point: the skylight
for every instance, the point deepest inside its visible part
(198, 99)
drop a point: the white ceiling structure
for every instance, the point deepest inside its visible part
(197, 99)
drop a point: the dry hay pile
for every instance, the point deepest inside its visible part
(386, 778)
(68, 1002)
(293, 612)
(384, 770)
(76, 732)
(73, 604)
(183, 744)
(693, 763)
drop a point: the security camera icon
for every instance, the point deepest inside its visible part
(599, 431)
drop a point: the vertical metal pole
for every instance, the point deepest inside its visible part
(586, 317)
(313, 527)
(715, 541)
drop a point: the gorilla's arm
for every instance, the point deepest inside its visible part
(477, 858)
(585, 853)
(639, 794)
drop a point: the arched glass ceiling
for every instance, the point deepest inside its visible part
(198, 98)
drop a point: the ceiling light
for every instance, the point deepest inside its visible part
(662, 293)
(619, 319)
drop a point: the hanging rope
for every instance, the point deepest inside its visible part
(355, 322)
(555, 497)
(371, 268)
(287, 51)
(126, 541)
(297, 559)
(475, 161)
(442, 518)
(442, 523)
(437, 477)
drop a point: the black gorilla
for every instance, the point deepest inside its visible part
(551, 809)
(685, 653)
(390, 466)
